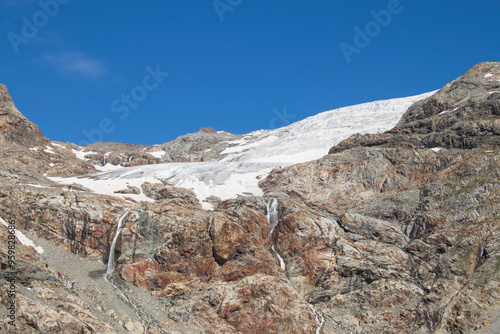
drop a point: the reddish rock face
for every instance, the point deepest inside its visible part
(229, 239)
(141, 274)
(389, 228)
(251, 308)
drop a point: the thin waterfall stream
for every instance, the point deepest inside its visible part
(273, 219)
(146, 319)
(111, 260)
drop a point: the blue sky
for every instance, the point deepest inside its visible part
(147, 72)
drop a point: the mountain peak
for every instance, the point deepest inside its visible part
(479, 83)
(6, 100)
(14, 127)
(207, 130)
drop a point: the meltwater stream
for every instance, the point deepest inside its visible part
(273, 218)
(111, 260)
(272, 213)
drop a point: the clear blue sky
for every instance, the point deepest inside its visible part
(87, 56)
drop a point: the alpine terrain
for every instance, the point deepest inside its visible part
(376, 218)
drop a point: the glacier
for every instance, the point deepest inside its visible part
(246, 161)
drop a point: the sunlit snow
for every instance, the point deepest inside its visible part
(249, 159)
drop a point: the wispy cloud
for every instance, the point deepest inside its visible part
(50, 39)
(72, 63)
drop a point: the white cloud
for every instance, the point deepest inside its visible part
(71, 63)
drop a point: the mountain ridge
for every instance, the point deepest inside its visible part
(463, 114)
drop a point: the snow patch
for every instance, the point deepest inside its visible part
(207, 206)
(109, 186)
(489, 75)
(248, 160)
(23, 239)
(157, 154)
(34, 185)
(49, 149)
(222, 179)
(81, 154)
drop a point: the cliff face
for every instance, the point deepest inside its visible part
(418, 236)
(390, 233)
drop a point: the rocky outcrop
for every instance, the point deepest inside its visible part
(15, 129)
(204, 145)
(116, 147)
(216, 270)
(50, 160)
(129, 190)
(123, 158)
(158, 192)
(23, 147)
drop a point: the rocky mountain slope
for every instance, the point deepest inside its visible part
(421, 243)
(463, 114)
(395, 232)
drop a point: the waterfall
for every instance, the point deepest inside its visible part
(320, 320)
(272, 213)
(111, 260)
(280, 259)
(146, 319)
(272, 218)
